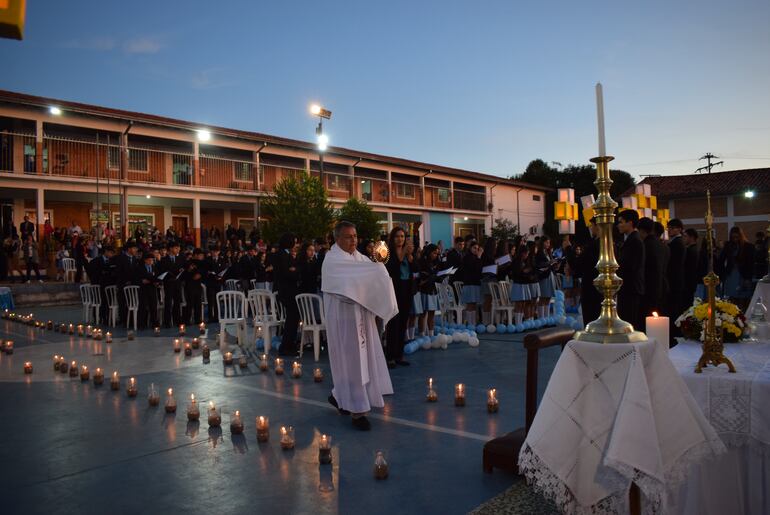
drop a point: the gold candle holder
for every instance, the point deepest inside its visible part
(608, 328)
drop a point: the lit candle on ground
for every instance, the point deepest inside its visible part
(236, 424)
(243, 361)
(228, 358)
(27, 367)
(74, 369)
(205, 352)
(380, 466)
(63, 328)
(193, 411)
(56, 362)
(108, 337)
(72, 328)
(196, 343)
(657, 327)
(492, 403)
(432, 395)
(63, 366)
(80, 330)
(50, 325)
(263, 363)
(177, 345)
(170, 401)
(153, 395)
(8, 347)
(325, 450)
(263, 429)
(187, 349)
(98, 377)
(278, 366)
(97, 334)
(130, 335)
(156, 331)
(89, 330)
(182, 330)
(132, 389)
(202, 328)
(85, 375)
(459, 394)
(214, 418)
(287, 438)
(115, 381)
(600, 118)
(296, 370)
(318, 375)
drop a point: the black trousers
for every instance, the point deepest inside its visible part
(32, 265)
(172, 310)
(629, 309)
(122, 306)
(289, 339)
(212, 288)
(148, 306)
(193, 309)
(591, 305)
(395, 331)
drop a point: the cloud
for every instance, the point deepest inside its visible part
(101, 44)
(142, 45)
(211, 78)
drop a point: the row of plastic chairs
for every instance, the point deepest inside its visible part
(452, 308)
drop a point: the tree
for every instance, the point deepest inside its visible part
(299, 206)
(504, 229)
(358, 212)
(579, 177)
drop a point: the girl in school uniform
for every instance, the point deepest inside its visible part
(472, 281)
(487, 259)
(520, 274)
(532, 282)
(416, 311)
(547, 278)
(428, 268)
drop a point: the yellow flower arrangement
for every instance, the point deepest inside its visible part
(730, 320)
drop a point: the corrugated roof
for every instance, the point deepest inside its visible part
(720, 183)
(150, 119)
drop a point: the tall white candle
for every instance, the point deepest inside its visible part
(657, 327)
(600, 119)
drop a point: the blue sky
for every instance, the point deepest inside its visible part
(484, 85)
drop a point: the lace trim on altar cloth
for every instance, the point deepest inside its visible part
(655, 494)
(737, 440)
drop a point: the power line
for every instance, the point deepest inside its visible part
(709, 156)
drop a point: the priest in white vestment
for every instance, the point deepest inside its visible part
(355, 291)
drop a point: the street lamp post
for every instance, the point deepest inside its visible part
(323, 139)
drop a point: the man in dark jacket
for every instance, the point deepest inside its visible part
(454, 258)
(655, 266)
(247, 267)
(27, 228)
(145, 275)
(691, 279)
(172, 265)
(125, 265)
(675, 271)
(590, 298)
(101, 271)
(286, 279)
(631, 262)
(214, 266)
(193, 277)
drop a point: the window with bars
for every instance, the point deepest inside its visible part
(137, 159)
(404, 190)
(243, 171)
(443, 195)
(338, 182)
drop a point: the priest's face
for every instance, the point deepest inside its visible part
(347, 239)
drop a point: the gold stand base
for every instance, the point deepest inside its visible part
(610, 329)
(720, 359)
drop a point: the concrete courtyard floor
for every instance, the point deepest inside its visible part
(70, 447)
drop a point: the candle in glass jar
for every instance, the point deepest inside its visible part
(432, 395)
(296, 370)
(132, 389)
(228, 358)
(187, 349)
(89, 330)
(196, 343)
(263, 362)
(278, 366)
(80, 330)
(236, 424)
(56, 362)
(74, 369)
(98, 377)
(72, 328)
(325, 450)
(98, 334)
(202, 328)
(85, 375)
(205, 352)
(492, 403)
(63, 366)
(153, 396)
(318, 375)
(156, 331)
(243, 361)
(108, 337)
(287, 438)
(214, 418)
(193, 411)
(130, 335)
(263, 429)
(459, 394)
(8, 347)
(177, 345)
(50, 325)
(182, 330)
(27, 367)
(170, 401)
(115, 381)
(380, 466)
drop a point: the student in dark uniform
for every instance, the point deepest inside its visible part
(286, 279)
(125, 265)
(401, 275)
(172, 265)
(691, 260)
(631, 270)
(102, 271)
(655, 294)
(454, 258)
(145, 275)
(215, 264)
(472, 281)
(247, 267)
(309, 269)
(193, 277)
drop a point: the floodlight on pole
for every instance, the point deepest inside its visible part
(748, 194)
(203, 135)
(317, 110)
(323, 142)
(54, 110)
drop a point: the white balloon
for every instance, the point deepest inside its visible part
(491, 328)
(425, 344)
(436, 343)
(473, 342)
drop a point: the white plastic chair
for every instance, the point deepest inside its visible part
(450, 308)
(132, 303)
(232, 309)
(458, 293)
(311, 313)
(94, 300)
(264, 309)
(232, 285)
(500, 305)
(68, 265)
(161, 303)
(112, 304)
(85, 299)
(204, 299)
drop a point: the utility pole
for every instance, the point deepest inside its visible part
(709, 156)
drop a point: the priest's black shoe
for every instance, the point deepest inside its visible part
(362, 424)
(333, 402)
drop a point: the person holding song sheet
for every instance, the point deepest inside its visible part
(401, 277)
(472, 281)
(426, 285)
(356, 291)
(171, 268)
(488, 275)
(145, 277)
(546, 266)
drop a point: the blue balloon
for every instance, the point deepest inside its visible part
(481, 329)
(510, 328)
(559, 294)
(260, 343)
(501, 328)
(569, 321)
(473, 334)
(409, 348)
(519, 328)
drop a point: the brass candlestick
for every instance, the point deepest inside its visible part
(608, 328)
(713, 347)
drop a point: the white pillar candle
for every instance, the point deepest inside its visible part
(657, 327)
(600, 119)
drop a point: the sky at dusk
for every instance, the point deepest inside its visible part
(485, 86)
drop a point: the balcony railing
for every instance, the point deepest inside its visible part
(88, 160)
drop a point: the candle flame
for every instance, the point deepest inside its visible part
(132, 380)
(114, 374)
(192, 397)
(98, 369)
(171, 391)
(655, 314)
(211, 404)
(237, 413)
(74, 363)
(283, 430)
